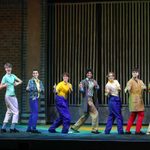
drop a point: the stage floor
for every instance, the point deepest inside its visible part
(85, 138)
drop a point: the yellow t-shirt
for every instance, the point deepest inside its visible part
(63, 89)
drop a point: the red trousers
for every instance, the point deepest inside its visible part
(132, 118)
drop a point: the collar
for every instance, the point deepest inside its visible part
(36, 79)
(135, 80)
(8, 74)
(111, 81)
(65, 82)
(89, 79)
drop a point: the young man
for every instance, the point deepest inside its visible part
(62, 90)
(135, 86)
(35, 88)
(112, 89)
(88, 88)
(10, 81)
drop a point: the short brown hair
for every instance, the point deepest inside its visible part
(135, 70)
(66, 74)
(89, 70)
(8, 65)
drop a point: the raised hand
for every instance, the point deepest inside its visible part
(81, 85)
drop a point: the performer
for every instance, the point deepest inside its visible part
(135, 86)
(112, 89)
(62, 90)
(88, 87)
(36, 89)
(10, 80)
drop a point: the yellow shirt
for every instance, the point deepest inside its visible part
(37, 81)
(63, 89)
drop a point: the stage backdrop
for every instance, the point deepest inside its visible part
(104, 36)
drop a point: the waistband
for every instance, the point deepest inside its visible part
(113, 96)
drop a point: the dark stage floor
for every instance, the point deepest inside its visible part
(82, 140)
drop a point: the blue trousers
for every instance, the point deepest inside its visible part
(114, 105)
(64, 115)
(33, 114)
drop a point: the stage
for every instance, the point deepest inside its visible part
(82, 140)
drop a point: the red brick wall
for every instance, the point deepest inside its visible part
(10, 42)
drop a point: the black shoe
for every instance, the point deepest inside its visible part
(35, 131)
(3, 131)
(95, 132)
(14, 130)
(121, 133)
(128, 132)
(75, 131)
(139, 133)
(52, 131)
(106, 132)
(28, 130)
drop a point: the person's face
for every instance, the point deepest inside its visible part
(8, 70)
(135, 74)
(65, 78)
(35, 74)
(89, 75)
(111, 77)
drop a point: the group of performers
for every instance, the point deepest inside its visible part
(88, 88)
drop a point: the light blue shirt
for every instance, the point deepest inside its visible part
(9, 79)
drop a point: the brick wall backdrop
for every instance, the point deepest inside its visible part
(10, 43)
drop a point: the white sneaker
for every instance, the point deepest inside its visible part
(70, 131)
(148, 133)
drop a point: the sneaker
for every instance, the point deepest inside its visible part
(3, 131)
(107, 132)
(95, 132)
(35, 131)
(28, 130)
(139, 133)
(14, 130)
(128, 132)
(75, 131)
(148, 133)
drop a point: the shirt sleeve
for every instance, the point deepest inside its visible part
(143, 85)
(129, 83)
(118, 85)
(70, 85)
(58, 87)
(3, 80)
(106, 87)
(15, 77)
